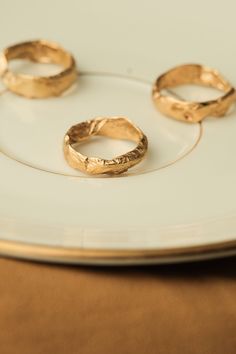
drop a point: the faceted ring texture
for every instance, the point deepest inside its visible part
(117, 128)
(193, 112)
(40, 51)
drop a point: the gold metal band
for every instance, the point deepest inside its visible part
(117, 128)
(193, 111)
(38, 86)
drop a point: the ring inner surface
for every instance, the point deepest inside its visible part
(120, 129)
(112, 128)
(193, 74)
(41, 52)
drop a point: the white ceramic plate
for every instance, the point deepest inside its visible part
(180, 203)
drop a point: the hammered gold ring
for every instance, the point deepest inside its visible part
(40, 51)
(193, 111)
(117, 128)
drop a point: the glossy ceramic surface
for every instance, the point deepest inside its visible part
(179, 204)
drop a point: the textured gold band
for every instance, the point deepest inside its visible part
(193, 111)
(38, 86)
(117, 128)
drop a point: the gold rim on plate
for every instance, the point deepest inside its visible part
(44, 253)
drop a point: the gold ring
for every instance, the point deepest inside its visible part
(38, 86)
(193, 111)
(117, 128)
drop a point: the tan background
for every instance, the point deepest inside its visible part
(185, 308)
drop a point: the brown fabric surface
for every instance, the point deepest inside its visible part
(189, 308)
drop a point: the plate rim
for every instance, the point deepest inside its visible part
(78, 255)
